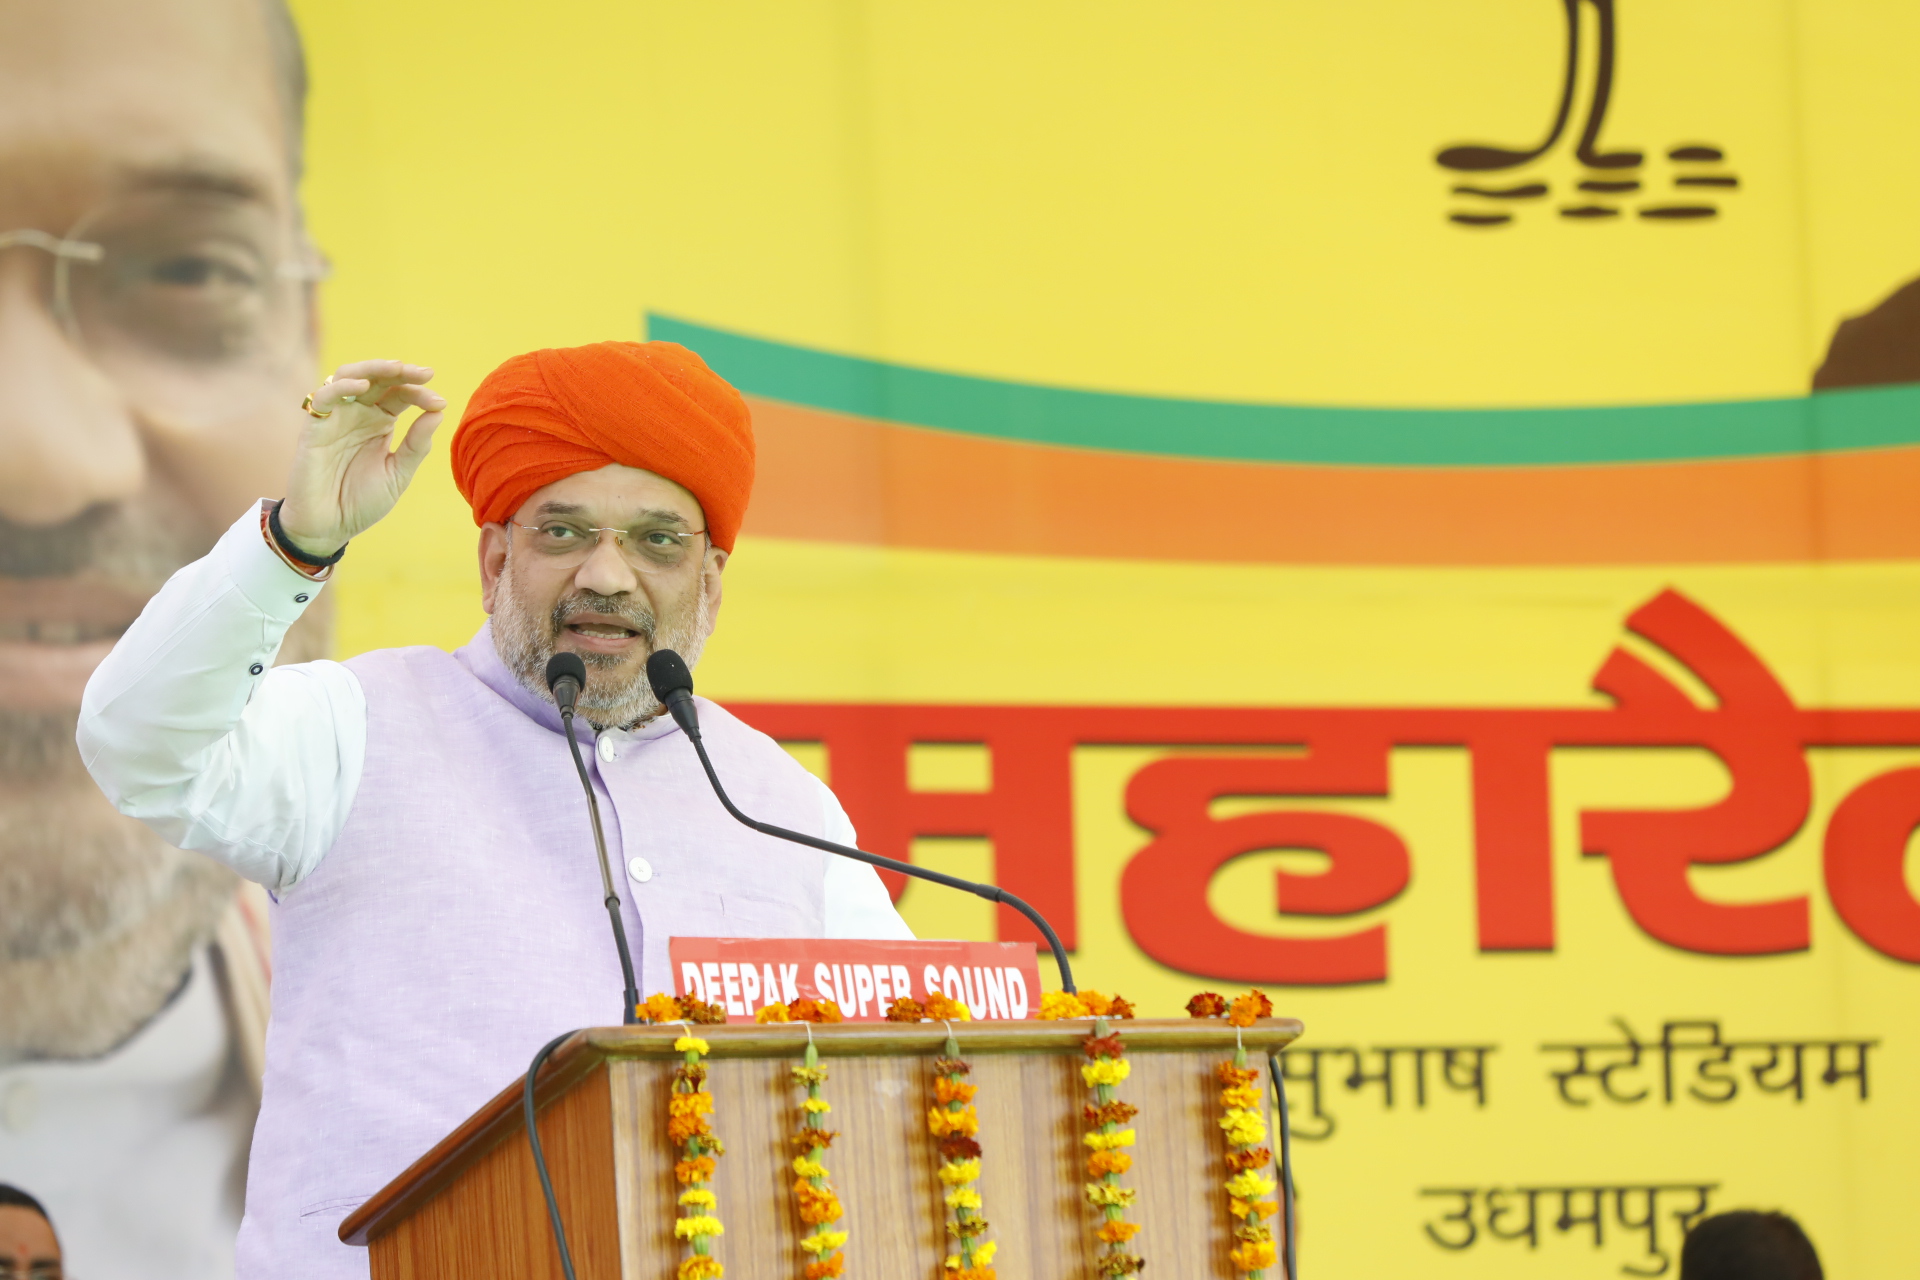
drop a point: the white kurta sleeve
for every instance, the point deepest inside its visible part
(858, 905)
(188, 726)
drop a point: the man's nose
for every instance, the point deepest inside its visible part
(606, 571)
(65, 432)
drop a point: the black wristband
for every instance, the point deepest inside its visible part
(281, 540)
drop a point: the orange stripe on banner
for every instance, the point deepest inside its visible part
(836, 478)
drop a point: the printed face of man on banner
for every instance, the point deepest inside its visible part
(156, 334)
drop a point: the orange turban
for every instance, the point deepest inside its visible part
(549, 414)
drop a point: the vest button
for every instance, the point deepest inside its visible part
(639, 870)
(606, 750)
(255, 669)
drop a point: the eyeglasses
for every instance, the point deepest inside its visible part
(184, 297)
(649, 548)
(38, 1269)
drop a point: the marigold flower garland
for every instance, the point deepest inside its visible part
(1107, 1158)
(819, 1206)
(1245, 1126)
(954, 1121)
(688, 1107)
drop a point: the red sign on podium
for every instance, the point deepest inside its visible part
(744, 975)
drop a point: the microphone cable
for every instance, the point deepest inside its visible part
(673, 685)
(539, 1156)
(1286, 1162)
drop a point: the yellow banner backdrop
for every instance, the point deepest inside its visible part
(1317, 496)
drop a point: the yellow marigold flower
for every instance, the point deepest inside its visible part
(941, 1122)
(958, 1172)
(1244, 1128)
(1248, 1186)
(701, 1266)
(809, 1168)
(1256, 1211)
(775, 1012)
(824, 1241)
(1118, 1232)
(1253, 1257)
(1106, 1071)
(689, 1044)
(1109, 1141)
(963, 1198)
(810, 1075)
(703, 1225)
(1104, 1194)
(1055, 1005)
(816, 1106)
(1241, 1095)
(983, 1253)
(697, 1197)
(690, 1104)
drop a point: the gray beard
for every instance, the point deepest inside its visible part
(617, 693)
(99, 917)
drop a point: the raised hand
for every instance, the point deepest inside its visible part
(347, 474)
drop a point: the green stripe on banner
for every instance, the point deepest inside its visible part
(1877, 417)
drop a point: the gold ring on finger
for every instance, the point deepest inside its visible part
(307, 404)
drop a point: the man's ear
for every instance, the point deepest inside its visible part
(493, 559)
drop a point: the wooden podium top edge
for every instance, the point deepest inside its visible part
(588, 1049)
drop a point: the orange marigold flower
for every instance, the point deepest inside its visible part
(660, 1007)
(698, 1169)
(1118, 1232)
(1120, 1008)
(775, 1012)
(906, 1009)
(1231, 1075)
(690, 1104)
(943, 1008)
(1251, 1158)
(1253, 1257)
(808, 1009)
(1207, 1004)
(1104, 1046)
(1105, 1162)
(681, 1129)
(827, 1269)
(1097, 1004)
(817, 1204)
(941, 1122)
(948, 1090)
(951, 1067)
(1246, 1009)
(809, 1138)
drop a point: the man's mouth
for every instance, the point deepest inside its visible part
(604, 633)
(53, 633)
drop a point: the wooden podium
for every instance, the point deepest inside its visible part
(472, 1207)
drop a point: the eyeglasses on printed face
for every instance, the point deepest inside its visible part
(648, 547)
(183, 292)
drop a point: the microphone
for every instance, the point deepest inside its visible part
(673, 685)
(566, 677)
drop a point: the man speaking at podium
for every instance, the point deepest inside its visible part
(438, 909)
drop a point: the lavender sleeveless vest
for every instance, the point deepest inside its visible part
(456, 924)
